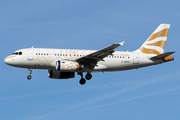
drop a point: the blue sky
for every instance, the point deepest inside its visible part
(150, 93)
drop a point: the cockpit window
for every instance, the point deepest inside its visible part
(17, 53)
(20, 53)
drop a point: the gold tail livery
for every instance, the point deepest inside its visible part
(63, 63)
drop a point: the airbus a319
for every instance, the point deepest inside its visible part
(64, 63)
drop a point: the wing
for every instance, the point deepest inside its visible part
(94, 57)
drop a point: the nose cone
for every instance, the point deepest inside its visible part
(7, 61)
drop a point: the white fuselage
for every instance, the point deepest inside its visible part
(40, 58)
(63, 63)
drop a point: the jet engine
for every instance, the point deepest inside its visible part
(68, 65)
(60, 75)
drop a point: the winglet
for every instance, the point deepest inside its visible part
(122, 43)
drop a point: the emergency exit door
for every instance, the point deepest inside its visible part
(31, 54)
(135, 58)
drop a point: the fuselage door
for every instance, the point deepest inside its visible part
(135, 58)
(30, 54)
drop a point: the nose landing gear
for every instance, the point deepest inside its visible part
(29, 76)
(82, 81)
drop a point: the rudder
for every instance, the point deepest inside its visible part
(155, 44)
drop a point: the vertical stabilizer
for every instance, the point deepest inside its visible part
(155, 44)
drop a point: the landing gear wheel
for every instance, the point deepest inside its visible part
(82, 81)
(88, 76)
(29, 77)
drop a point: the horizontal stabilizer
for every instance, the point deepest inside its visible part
(162, 56)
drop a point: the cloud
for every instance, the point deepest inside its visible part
(117, 102)
(124, 87)
(129, 86)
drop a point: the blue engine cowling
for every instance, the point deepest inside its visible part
(58, 65)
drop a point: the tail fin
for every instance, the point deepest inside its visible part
(155, 44)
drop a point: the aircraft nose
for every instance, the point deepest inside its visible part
(6, 60)
(9, 60)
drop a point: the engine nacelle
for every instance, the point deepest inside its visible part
(60, 75)
(68, 65)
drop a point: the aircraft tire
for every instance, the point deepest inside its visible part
(82, 81)
(29, 77)
(88, 76)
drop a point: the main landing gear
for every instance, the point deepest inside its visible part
(29, 76)
(82, 81)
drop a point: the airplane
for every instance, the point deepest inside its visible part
(63, 63)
